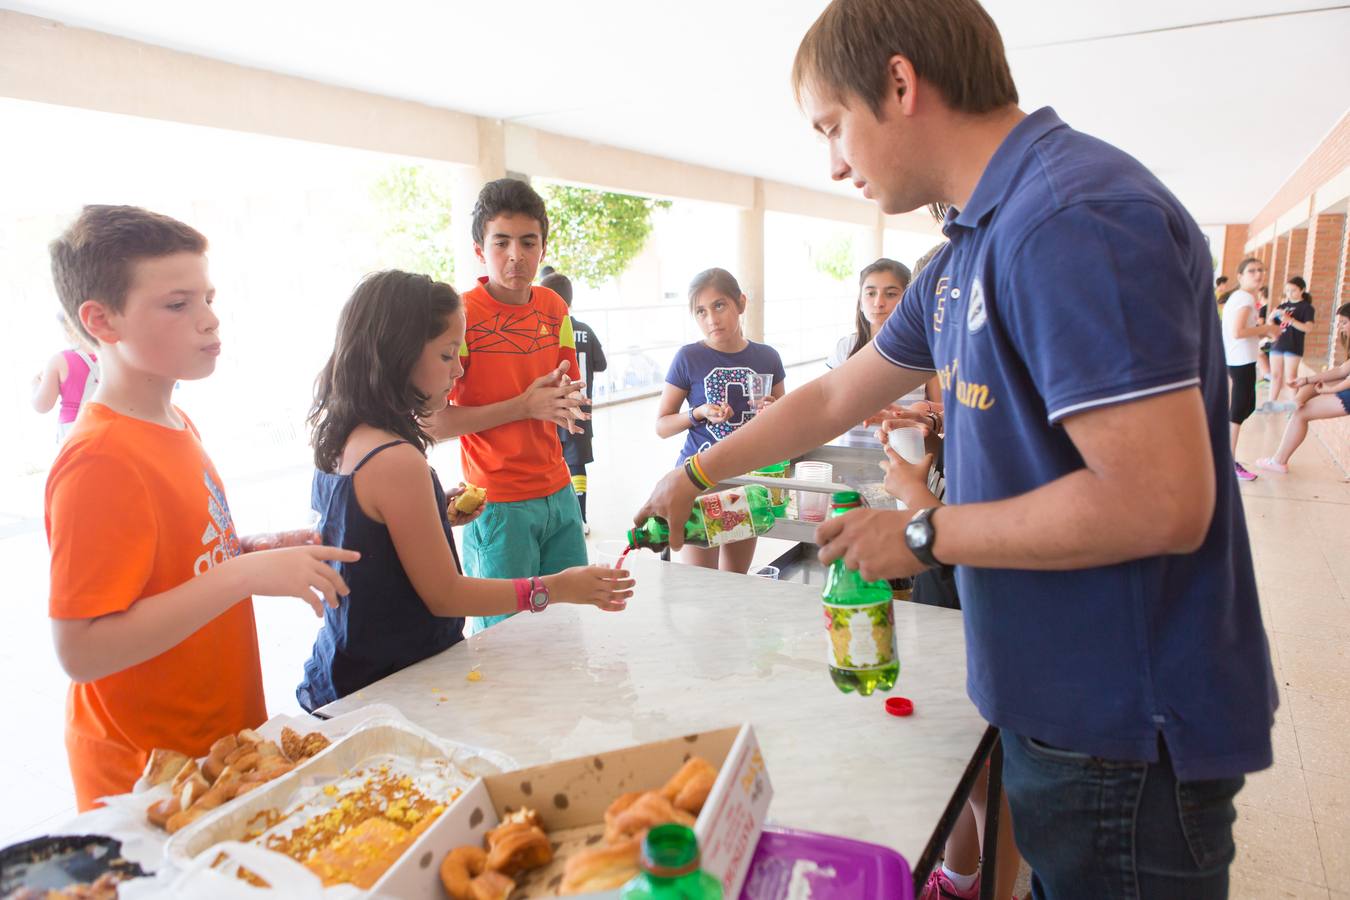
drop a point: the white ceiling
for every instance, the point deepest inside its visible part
(1223, 113)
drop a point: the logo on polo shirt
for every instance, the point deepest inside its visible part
(939, 310)
(975, 315)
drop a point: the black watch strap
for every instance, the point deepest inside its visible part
(920, 536)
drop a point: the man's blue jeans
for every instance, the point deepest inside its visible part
(1117, 830)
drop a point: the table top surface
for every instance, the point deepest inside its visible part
(699, 649)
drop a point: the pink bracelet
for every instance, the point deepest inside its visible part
(524, 587)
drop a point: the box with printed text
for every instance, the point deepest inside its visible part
(571, 798)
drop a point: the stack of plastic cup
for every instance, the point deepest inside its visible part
(812, 505)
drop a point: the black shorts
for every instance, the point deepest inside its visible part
(577, 452)
(1242, 396)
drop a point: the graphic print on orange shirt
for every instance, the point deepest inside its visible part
(529, 332)
(506, 347)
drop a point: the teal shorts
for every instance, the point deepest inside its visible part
(524, 539)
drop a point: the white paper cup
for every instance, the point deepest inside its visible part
(908, 443)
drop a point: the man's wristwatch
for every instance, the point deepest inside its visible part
(538, 595)
(920, 537)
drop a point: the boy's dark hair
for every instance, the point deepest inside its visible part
(381, 333)
(1221, 281)
(545, 271)
(559, 284)
(953, 45)
(94, 257)
(719, 280)
(862, 327)
(505, 196)
(1249, 261)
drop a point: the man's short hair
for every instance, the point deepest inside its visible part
(559, 284)
(1221, 281)
(94, 257)
(953, 45)
(508, 196)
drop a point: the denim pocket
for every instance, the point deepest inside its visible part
(1044, 752)
(1207, 814)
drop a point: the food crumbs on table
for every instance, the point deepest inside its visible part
(474, 675)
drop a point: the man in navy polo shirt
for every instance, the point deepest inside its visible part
(1111, 614)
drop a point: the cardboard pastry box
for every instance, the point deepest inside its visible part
(571, 798)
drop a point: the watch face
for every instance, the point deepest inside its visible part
(538, 600)
(916, 533)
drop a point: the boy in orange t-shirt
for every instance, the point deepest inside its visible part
(150, 584)
(513, 396)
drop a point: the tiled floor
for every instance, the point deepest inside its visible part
(1293, 827)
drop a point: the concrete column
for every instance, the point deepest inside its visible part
(750, 268)
(879, 236)
(468, 181)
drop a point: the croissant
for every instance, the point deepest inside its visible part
(491, 886)
(600, 868)
(163, 765)
(645, 812)
(696, 767)
(517, 847)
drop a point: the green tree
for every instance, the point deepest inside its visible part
(834, 258)
(594, 235)
(415, 203)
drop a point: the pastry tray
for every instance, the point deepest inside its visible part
(379, 741)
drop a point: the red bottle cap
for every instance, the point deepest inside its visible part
(899, 706)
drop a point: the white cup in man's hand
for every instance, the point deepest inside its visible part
(908, 442)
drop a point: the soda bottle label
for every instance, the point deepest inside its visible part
(861, 637)
(726, 517)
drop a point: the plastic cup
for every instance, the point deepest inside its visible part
(908, 443)
(769, 572)
(812, 505)
(283, 533)
(608, 553)
(761, 386)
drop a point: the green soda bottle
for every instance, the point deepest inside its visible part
(670, 868)
(860, 621)
(717, 519)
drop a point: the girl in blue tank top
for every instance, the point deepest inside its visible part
(394, 362)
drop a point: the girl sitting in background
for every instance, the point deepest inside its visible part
(1325, 395)
(394, 363)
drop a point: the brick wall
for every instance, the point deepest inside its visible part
(1327, 160)
(1234, 238)
(1275, 271)
(1323, 270)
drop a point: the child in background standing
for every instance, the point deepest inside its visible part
(577, 449)
(70, 376)
(515, 393)
(714, 376)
